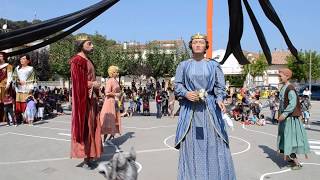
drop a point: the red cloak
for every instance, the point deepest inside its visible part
(79, 96)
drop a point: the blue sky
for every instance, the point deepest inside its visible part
(146, 20)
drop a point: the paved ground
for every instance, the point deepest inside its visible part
(42, 152)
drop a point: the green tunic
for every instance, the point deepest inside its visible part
(292, 136)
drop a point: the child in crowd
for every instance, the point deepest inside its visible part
(139, 103)
(252, 118)
(131, 105)
(8, 102)
(40, 106)
(128, 113)
(305, 107)
(146, 106)
(31, 109)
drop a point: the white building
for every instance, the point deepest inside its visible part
(270, 77)
(231, 66)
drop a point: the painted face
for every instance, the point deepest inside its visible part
(88, 46)
(282, 77)
(24, 61)
(115, 74)
(198, 46)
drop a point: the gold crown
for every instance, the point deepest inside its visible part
(82, 38)
(198, 36)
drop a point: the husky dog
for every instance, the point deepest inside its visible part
(121, 167)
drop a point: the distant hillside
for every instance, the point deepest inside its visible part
(13, 25)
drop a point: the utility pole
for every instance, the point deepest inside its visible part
(310, 62)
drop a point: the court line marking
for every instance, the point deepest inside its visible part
(315, 147)
(64, 134)
(166, 144)
(126, 127)
(153, 150)
(243, 126)
(138, 152)
(68, 158)
(283, 171)
(148, 128)
(33, 161)
(311, 141)
(314, 142)
(247, 149)
(261, 132)
(41, 137)
(286, 170)
(2, 134)
(235, 153)
(45, 127)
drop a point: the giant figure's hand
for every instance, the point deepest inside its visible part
(222, 106)
(192, 96)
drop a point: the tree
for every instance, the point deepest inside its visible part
(181, 54)
(161, 62)
(158, 63)
(257, 67)
(100, 53)
(298, 69)
(13, 25)
(301, 71)
(60, 54)
(40, 62)
(236, 80)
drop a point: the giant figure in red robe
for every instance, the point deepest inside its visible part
(85, 130)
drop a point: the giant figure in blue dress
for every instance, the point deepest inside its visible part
(201, 136)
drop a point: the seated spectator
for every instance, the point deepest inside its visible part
(261, 121)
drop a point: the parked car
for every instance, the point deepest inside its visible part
(315, 91)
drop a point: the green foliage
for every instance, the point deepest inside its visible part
(298, 69)
(101, 54)
(13, 25)
(235, 80)
(60, 54)
(256, 68)
(301, 71)
(41, 65)
(160, 63)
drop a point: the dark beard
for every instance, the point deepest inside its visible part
(87, 52)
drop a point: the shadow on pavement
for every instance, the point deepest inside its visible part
(317, 123)
(37, 123)
(122, 139)
(110, 150)
(312, 129)
(274, 156)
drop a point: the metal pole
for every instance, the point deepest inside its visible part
(209, 27)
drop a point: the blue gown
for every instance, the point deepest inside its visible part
(201, 137)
